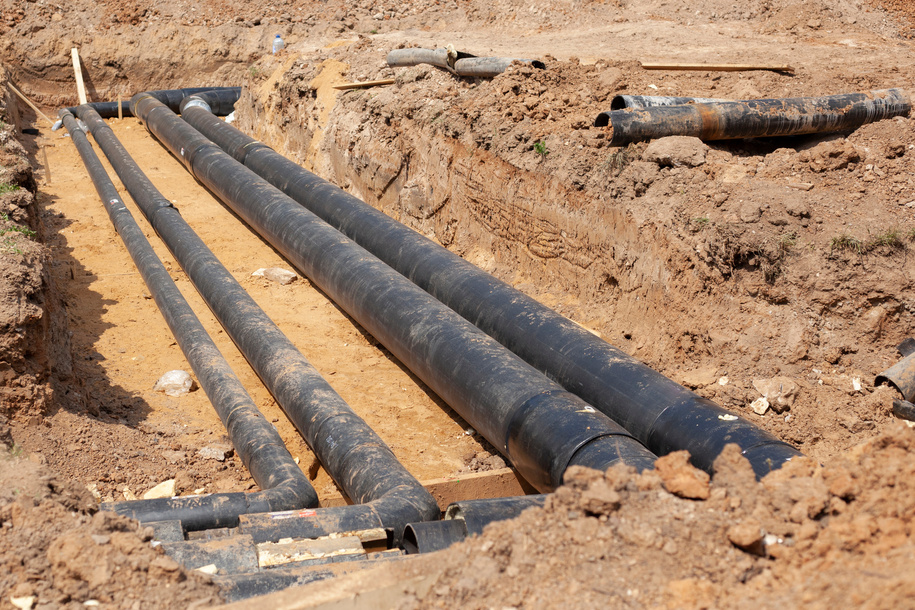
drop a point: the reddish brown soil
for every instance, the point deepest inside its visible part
(784, 259)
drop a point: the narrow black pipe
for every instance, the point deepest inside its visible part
(171, 98)
(902, 374)
(351, 452)
(660, 413)
(621, 102)
(258, 444)
(236, 587)
(755, 118)
(463, 519)
(539, 426)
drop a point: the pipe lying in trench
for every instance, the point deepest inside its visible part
(258, 444)
(463, 519)
(660, 413)
(755, 118)
(540, 427)
(456, 62)
(351, 452)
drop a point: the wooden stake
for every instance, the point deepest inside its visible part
(120, 113)
(47, 166)
(31, 105)
(717, 67)
(365, 84)
(80, 86)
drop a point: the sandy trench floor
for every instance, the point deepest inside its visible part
(118, 331)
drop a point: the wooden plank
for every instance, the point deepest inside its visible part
(279, 553)
(78, 71)
(716, 67)
(47, 166)
(31, 105)
(365, 84)
(500, 483)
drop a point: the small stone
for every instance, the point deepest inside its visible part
(760, 405)
(208, 569)
(101, 539)
(681, 478)
(214, 452)
(780, 392)
(275, 274)
(175, 383)
(165, 489)
(23, 603)
(676, 151)
(748, 535)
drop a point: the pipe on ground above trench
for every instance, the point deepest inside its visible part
(658, 412)
(621, 102)
(456, 62)
(351, 452)
(540, 427)
(754, 118)
(258, 444)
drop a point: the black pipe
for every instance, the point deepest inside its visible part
(463, 519)
(350, 451)
(660, 413)
(755, 118)
(171, 98)
(539, 426)
(620, 102)
(258, 444)
(236, 587)
(902, 374)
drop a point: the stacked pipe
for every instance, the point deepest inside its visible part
(660, 413)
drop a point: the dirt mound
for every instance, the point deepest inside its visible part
(56, 549)
(806, 536)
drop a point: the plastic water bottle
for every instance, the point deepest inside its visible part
(278, 44)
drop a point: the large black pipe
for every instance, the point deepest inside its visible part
(349, 450)
(222, 101)
(258, 444)
(540, 427)
(620, 102)
(754, 118)
(660, 413)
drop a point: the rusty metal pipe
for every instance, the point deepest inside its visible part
(902, 374)
(755, 118)
(621, 102)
